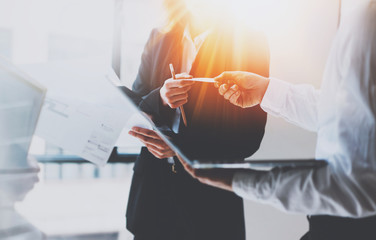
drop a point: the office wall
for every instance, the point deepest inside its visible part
(298, 55)
(348, 5)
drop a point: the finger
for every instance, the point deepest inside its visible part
(169, 154)
(139, 136)
(179, 83)
(148, 140)
(207, 174)
(223, 89)
(159, 154)
(230, 92)
(183, 76)
(188, 168)
(155, 153)
(234, 99)
(152, 148)
(181, 160)
(158, 144)
(223, 77)
(177, 98)
(207, 181)
(161, 151)
(177, 91)
(133, 134)
(178, 104)
(235, 87)
(185, 83)
(220, 77)
(145, 132)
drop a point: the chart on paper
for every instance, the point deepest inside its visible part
(87, 130)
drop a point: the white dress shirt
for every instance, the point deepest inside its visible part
(191, 48)
(343, 114)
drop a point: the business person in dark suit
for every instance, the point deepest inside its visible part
(164, 201)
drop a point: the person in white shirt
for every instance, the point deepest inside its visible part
(343, 113)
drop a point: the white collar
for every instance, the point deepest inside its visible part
(199, 38)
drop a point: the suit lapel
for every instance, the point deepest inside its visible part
(206, 57)
(171, 53)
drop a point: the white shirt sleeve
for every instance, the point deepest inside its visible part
(310, 191)
(346, 126)
(320, 191)
(294, 103)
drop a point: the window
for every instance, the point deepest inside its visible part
(75, 197)
(39, 32)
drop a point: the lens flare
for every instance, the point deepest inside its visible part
(265, 15)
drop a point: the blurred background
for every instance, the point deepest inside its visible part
(74, 199)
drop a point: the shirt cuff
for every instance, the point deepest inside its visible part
(275, 96)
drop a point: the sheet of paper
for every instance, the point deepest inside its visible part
(80, 96)
(87, 130)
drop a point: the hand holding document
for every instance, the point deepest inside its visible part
(153, 142)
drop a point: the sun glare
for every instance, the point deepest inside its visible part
(265, 15)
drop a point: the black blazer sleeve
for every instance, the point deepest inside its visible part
(143, 83)
(147, 83)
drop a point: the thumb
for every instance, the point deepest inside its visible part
(223, 77)
(183, 76)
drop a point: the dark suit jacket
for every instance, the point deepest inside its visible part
(175, 206)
